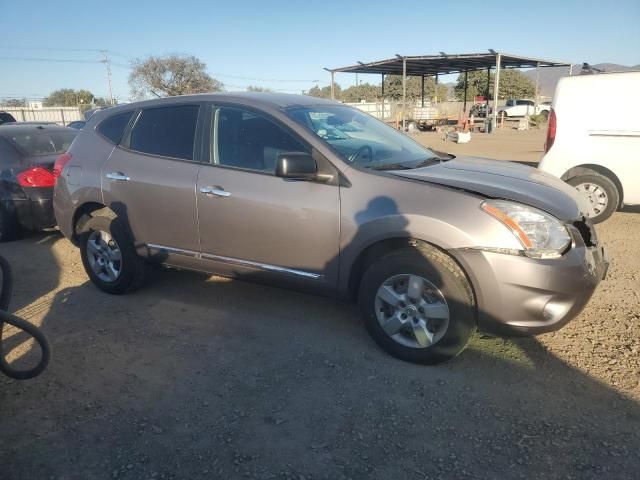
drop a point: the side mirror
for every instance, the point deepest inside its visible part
(296, 166)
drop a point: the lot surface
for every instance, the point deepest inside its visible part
(197, 377)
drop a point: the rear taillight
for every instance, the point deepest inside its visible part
(61, 161)
(551, 130)
(36, 177)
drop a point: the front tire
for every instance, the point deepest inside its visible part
(418, 305)
(601, 192)
(109, 256)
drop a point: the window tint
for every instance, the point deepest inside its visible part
(113, 127)
(244, 139)
(166, 131)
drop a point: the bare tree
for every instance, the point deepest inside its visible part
(171, 75)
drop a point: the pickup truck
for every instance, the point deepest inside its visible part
(521, 107)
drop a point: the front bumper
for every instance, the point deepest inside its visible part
(525, 296)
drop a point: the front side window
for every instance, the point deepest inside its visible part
(112, 128)
(244, 139)
(361, 139)
(166, 131)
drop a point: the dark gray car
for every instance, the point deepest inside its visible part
(314, 195)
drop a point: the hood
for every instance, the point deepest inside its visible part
(505, 180)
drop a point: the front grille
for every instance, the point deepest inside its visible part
(587, 231)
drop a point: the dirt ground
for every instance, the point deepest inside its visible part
(200, 377)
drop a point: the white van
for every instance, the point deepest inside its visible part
(593, 139)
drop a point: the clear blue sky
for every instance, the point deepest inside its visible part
(283, 42)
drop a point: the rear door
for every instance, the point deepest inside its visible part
(254, 222)
(149, 180)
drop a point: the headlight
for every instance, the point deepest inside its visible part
(541, 235)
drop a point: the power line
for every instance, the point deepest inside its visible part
(55, 60)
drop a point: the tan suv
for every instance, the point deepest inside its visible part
(311, 194)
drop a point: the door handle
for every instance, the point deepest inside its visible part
(118, 176)
(218, 192)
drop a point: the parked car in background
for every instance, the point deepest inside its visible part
(77, 124)
(521, 107)
(27, 175)
(256, 186)
(6, 117)
(597, 149)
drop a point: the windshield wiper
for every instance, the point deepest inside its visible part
(427, 162)
(392, 166)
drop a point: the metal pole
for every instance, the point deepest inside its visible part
(333, 88)
(496, 87)
(487, 91)
(466, 84)
(382, 97)
(422, 91)
(404, 90)
(535, 108)
(570, 69)
(108, 65)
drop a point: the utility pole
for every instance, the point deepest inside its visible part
(107, 63)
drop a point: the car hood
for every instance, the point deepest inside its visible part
(505, 180)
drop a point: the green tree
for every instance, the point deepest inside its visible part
(513, 84)
(364, 91)
(442, 92)
(393, 87)
(68, 97)
(325, 92)
(171, 75)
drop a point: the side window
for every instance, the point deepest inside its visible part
(166, 131)
(244, 139)
(113, 127)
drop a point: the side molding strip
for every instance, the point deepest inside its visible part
(235, 261)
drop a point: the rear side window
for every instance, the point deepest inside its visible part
(166, 131)
(113, 127)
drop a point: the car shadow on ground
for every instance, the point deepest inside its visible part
(204, 377)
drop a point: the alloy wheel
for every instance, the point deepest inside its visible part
(104, 255)
(412, 311)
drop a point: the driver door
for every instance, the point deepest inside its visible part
(253, 223)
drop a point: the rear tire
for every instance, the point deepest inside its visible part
(113, 266)
(443, 280)
(602, 193)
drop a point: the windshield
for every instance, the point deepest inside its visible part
(39, 141)
(361, 139)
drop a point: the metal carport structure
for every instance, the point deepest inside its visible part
(444, 64)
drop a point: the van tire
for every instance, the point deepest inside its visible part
(441, 271)
(607, 186)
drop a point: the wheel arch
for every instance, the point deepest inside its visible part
(385, 246)
(82, 215)
(590, 168)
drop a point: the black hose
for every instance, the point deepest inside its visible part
(6, 287)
